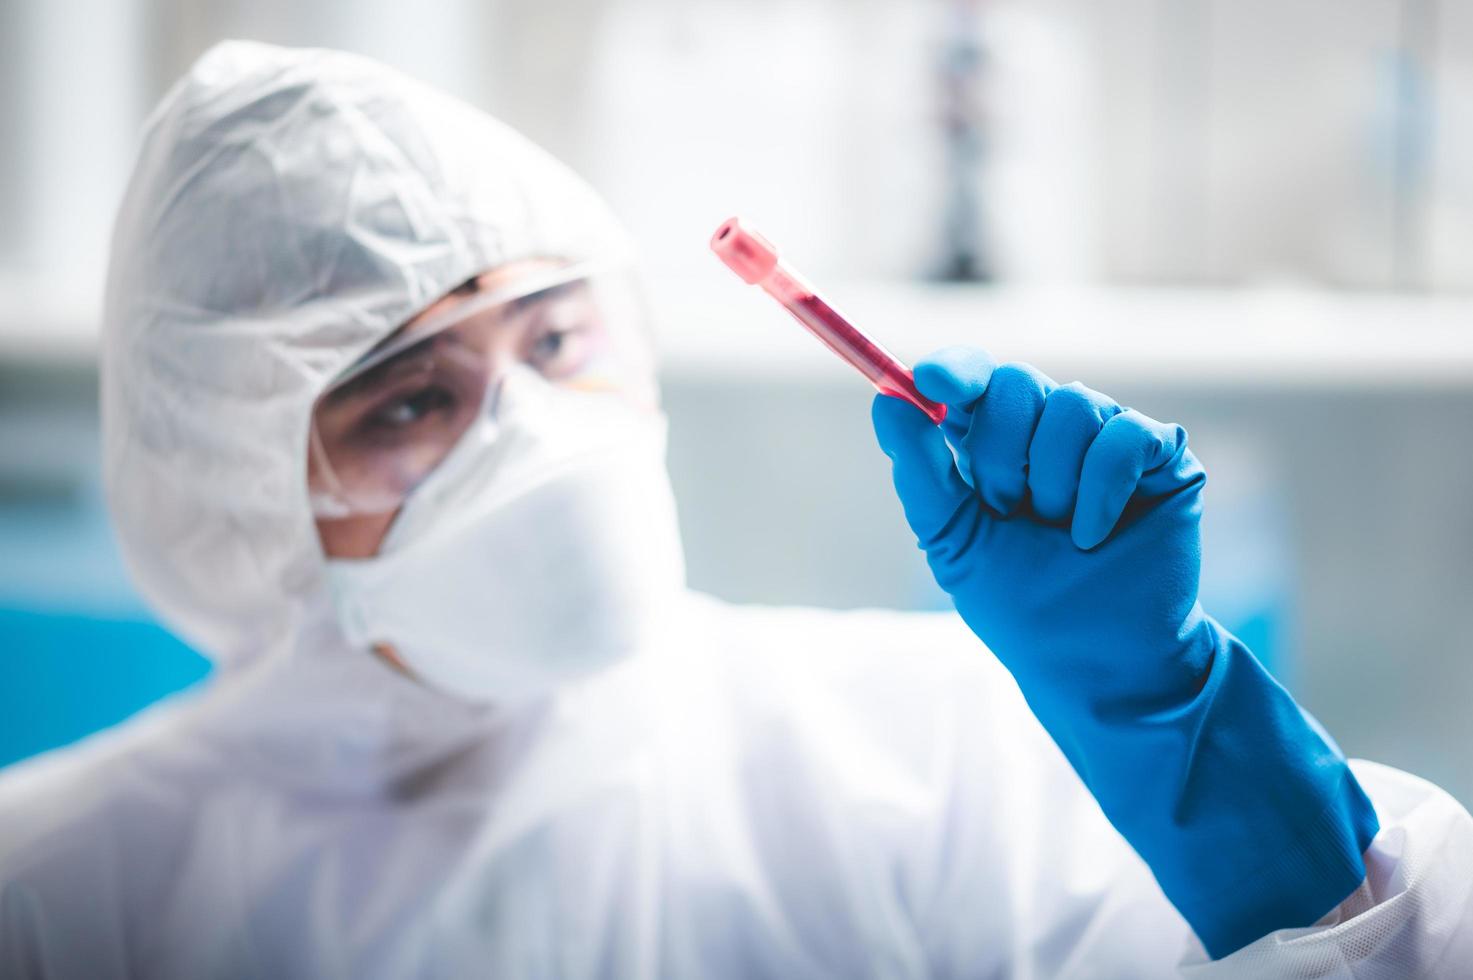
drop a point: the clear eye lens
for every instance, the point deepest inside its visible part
(383, 427)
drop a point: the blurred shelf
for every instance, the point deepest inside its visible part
(56, 325)
(713, 327)
(1179, 336)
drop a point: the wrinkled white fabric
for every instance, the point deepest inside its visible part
(777, 793)
(760, 793)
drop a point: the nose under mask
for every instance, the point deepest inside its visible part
(544, 548)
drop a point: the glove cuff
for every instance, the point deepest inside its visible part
(1250, 818)
(1298, 886)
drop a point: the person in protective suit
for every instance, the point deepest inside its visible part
(382, 438)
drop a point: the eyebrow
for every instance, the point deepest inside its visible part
(385, 371)
(380, 374)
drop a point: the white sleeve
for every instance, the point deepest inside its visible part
(1413, 915)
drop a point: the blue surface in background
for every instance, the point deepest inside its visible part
(71, 670)
(68, 675)
(79, 651)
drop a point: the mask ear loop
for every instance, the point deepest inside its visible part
(330, 503)
(463, 457)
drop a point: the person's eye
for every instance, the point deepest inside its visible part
(406, 410)
(559, 351)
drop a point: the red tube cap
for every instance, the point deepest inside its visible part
(745, 252)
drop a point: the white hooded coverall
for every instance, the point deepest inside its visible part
(771, 793)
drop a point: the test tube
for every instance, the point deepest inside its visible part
(754, 258)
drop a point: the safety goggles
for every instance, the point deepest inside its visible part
(384, 425)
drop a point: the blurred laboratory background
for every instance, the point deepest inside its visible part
(1251, 216)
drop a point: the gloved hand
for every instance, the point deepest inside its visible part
(1065, 529)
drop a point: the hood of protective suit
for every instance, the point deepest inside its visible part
(289, 209)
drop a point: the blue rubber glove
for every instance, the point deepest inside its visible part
(1065, 529)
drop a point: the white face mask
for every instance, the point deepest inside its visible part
(542, 549)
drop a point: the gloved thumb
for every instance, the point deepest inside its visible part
(926, 479)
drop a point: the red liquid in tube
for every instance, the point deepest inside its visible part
(753, 258)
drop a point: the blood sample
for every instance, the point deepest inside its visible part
(754, 258)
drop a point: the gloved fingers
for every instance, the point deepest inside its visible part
(996, 443)
(1130, 449)
(1175, 472)
(925, 475)
(956, 377)
(1072, 417)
